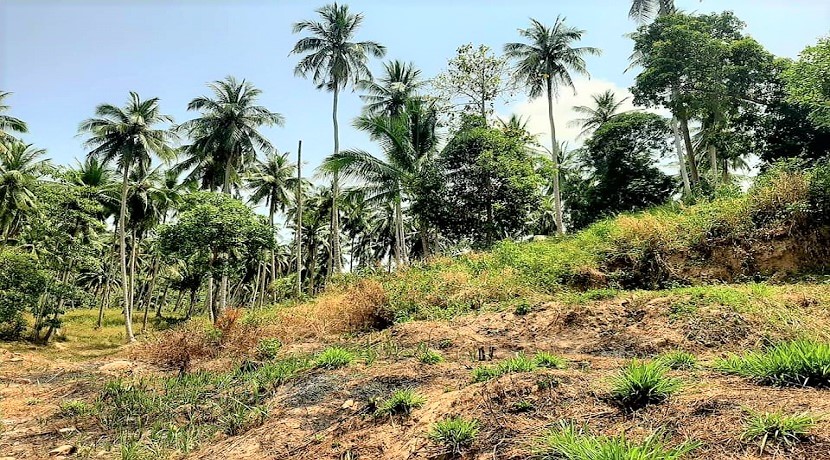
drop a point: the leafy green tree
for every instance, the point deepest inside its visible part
(226, 132)
(544, 65)
(21, 167)
(489, 185)
(22, 282)
(622, 158)
(474, 79)
(217, 231)
(606, 105)
(388, 95)
(8, 123)
(334, 62)
(129, 137)
(808, 81)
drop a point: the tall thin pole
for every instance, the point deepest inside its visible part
(298, 230)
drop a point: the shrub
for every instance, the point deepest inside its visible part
(178, 348)
(796, 363)
(777, 427)
(641, 383)
(455, 433)
(549, 360)
(76, 408)
(21, 284)
(678, 359)
(334, 358)
(268, 348)
(401, 402)
(570, 443)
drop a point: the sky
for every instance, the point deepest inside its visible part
(62, 58)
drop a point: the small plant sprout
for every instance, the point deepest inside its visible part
(641, 383)
(401, 402)
(454, 433)
(678, 359)
(777, 427)
(428, 356)
(334, 358)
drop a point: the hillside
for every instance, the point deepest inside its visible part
(696, 332)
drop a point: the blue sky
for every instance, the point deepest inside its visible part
(62, 58)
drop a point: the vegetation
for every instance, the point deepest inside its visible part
(334, 358)
(678, 359)
(401, 402)
(454, 433)
(642, 383)
(777, 427)
(796, 363)
(569, 442)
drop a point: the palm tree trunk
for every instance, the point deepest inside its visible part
(334, 265)
(122, 239)
(162, 301)
(179, 301)
(298, 230)
(713, 163)
(104, 301)
(398, 234)
(557, 197)
(690, 150)
(149, 296)
(424, 240)
(271, 211)
(678, 147)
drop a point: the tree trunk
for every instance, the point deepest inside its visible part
(193, 302)
(149, 296)
(713, 163)
(209, 299)
(298, 230)
(163, 301)
(133, 256)
(178, 301)
(678, 147)
(122, 239)
(690, 150)
(273, 275)
(557, 197)
(312, 265)
(104, 301)
(334, 265)
(398, 234)
(424, 239)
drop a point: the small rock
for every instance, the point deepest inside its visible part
(66, 449)
(69, 429)
(15, 359)
(348, 404)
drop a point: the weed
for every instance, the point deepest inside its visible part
(401, 402)
(455, 433)
(642, 383)
(268, 348)
(428, 356)
(549, 360)
(571, 443)
(518, 363)
(547, 383)
(334, 358)
(678, 359)
(777, 427)
(522, 406)
(76, 408)
(522, 308)
(796, 363)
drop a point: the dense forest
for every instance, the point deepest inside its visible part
(166, 220)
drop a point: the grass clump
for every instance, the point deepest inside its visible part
(522, 406)
(267, 349)
(795, 363)
(76, 408)
(678, 359)
(455, 433)
(642, 383)
(334, 358)
(549, 360)
(428, 356)
(571, 443)
(777, 427)
(401, 402)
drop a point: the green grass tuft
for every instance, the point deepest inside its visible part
(796, 363)
(334, 358)
(777, 427)
(549, 360)
(570, 443)
(268, 348)
(678, 359)
(401, 402)
(76, 408)
(428, 356)
(455, 433)
(642, 383)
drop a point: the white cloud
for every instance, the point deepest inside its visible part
(536, 111)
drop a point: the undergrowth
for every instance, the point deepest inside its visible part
(517, 364)
(454, 433)
(777, 427)
(571, 443)
(641, 383)
(794, 363)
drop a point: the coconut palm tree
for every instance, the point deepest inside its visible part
(8, 123)
(225, 135)
(334, 61)
(274, 181)
(544, 65)
(605, 106)
(644, 11)
(129, 137)
(20, 168)
(399, 83)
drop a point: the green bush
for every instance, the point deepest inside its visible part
(795, 363)
(21, 284)
(777, 427)
(455, 433)
(640, 383)
(401, 402)
(334, 358)
(570, 443)
(678, 359)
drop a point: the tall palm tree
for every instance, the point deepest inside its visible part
(644, 11)
(605, 106)
(399, 83)
(334, 61)
(408, 141)
(273, 180)
(8, 123)
(544, 65)
(129, 137)
(20, 168)
(226, 132)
